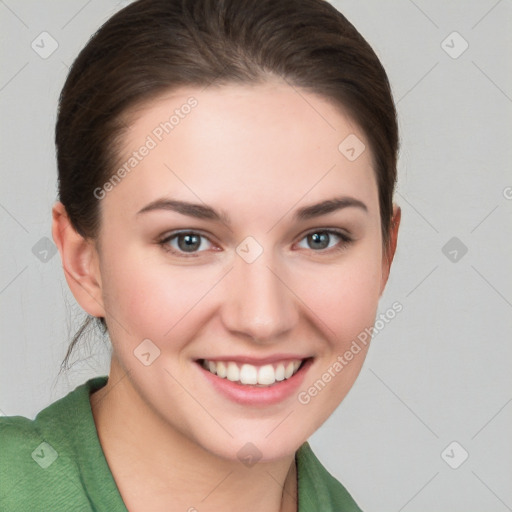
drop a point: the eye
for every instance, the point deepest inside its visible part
(190, 243)
(320, 240)
(185, 242)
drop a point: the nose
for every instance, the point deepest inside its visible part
(259, 303)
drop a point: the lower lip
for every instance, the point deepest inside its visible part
(246, 394)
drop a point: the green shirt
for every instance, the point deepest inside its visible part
(55, 463)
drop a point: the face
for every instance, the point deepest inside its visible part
(252, 281)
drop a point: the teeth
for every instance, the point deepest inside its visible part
(249, 374)
(253, 375)
(266, 375)
(288, 371)
(221, 370)
(280, 372)
(233, 372)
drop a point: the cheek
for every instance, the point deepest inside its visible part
(150, 297)
(345, 301)
(345, 297)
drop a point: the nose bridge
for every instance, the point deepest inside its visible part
(258, 304)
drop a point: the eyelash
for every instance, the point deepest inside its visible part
(345, 241)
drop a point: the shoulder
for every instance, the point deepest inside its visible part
(34, 469)
(38, 466)
(18, 439)
(318, 489)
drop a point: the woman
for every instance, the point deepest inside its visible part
(226, 176)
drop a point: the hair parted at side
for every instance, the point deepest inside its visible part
(153, 46)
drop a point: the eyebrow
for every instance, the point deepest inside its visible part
(202, 211)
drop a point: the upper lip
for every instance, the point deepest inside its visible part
(257, 361)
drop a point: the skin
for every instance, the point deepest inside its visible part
(257, 153)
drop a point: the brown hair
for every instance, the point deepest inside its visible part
(153, 46)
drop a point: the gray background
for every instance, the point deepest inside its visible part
(440, 371)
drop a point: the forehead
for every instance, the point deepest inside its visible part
(243, 144)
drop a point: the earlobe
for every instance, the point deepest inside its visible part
(389, 251)
(79, 262)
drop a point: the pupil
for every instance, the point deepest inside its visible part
(191, 242)
(321, 239)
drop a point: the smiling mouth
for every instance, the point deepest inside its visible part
(250, 375)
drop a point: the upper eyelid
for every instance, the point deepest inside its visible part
(336, 231)
(173, 234)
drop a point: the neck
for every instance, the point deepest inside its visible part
(157, 468)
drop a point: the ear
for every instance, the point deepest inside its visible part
(80, 262)
(389, 251)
